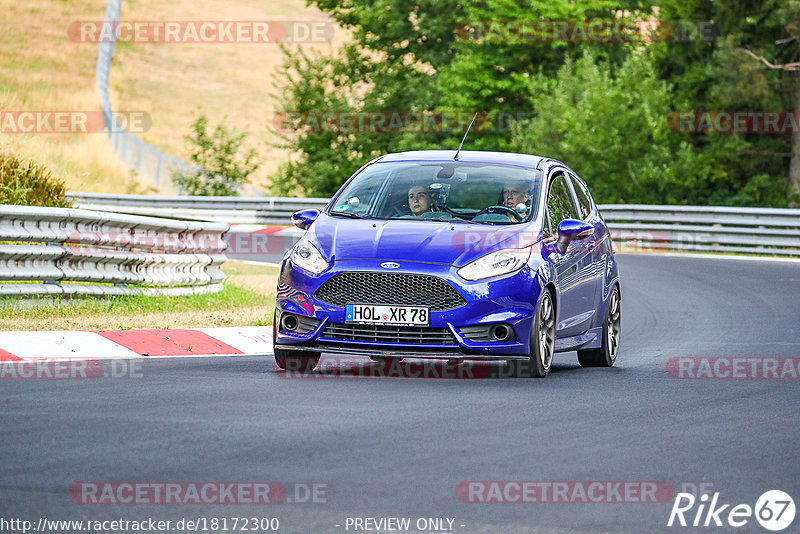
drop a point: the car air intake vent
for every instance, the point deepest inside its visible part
(387, 334)
(478, 334)
(390, 288)
(305, 324)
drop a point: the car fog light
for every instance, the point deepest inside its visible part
(288, 322)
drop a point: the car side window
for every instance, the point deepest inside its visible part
(584, 200)
(560, 205)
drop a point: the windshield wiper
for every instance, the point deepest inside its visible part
(449, 219)
(346, 214)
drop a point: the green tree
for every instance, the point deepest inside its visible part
(418, 57)
(385, 69)
(325, 155)
(411, 57)
(720, 73)
(222, 164)
(612, 131)
(493, 65)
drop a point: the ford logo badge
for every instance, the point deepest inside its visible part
(390, 265)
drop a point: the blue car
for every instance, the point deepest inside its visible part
(490, 256)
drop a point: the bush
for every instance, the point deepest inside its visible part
(28, 184)
(612, 130)
(222, 164)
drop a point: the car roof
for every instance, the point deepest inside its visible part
(475, 156)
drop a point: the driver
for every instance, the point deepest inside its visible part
(514, 193)
(419, 200)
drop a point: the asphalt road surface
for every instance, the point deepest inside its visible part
(389, 447)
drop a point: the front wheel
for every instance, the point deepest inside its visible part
(606, 355)
(542, 341)
(303, 361)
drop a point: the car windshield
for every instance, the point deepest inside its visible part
(441, 191)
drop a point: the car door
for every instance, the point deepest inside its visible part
(595, 259)
(577, 287)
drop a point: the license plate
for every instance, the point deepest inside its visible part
(377, 314)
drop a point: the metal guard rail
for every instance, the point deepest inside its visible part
(634, 227)
(771, 231)
(232, 210)
(60, 251)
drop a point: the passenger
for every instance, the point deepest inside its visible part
(515, 193)
(419, 200)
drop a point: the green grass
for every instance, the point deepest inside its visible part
(247, 299)
(45, 306)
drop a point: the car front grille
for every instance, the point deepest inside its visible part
(395, 289)
(387, 334)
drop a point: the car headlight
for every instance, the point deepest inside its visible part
(496, 263)
(307, 257)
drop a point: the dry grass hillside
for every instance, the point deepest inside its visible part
(42, 69)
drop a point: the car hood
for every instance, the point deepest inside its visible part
(408, 240)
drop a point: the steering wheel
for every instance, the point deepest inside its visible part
(500, 209)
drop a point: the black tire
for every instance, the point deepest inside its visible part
(302, 361)
(542, 341)
(606, 355)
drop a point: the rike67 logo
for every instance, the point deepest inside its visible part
(774, 510)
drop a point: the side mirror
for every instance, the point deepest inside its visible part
(569, 230)
(305, 218)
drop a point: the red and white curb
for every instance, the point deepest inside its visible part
(151, 343)
(270, 229)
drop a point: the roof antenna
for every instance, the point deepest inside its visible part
(455, 158)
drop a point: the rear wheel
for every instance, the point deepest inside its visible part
(606, 355)
(302, 361)
(542, 341)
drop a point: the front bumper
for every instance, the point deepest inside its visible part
(509, 299)
(345, 350)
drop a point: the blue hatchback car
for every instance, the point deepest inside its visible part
(496, 256)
